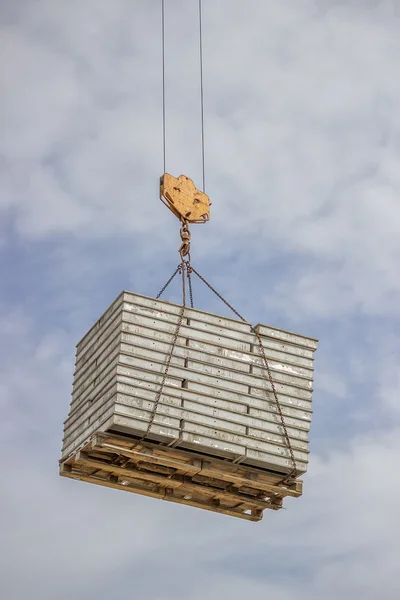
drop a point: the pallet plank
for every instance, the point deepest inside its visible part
(198, 483)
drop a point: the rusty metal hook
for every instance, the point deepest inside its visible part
(185, 237)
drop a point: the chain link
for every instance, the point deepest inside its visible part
(219, 295)
(293, 473)
(178, 268)
(186, 265)
(185, 237)
(165, 375)
(189, 276)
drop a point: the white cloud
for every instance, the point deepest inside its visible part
(339, 539)
(302, 151)
(302, 133)
(335, 541)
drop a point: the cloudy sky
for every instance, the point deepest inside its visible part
(302, 165)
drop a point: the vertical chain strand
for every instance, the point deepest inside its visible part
(165, 375)
(183, 266)
(189, 276)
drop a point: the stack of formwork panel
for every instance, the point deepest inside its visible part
(216, 440)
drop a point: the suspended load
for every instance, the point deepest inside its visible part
(179, 404)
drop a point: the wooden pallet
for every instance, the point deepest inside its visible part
(175, 475)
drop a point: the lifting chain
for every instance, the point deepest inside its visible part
(293, 473)
(165, 375)
(184, 251)
(186, 267)
(182, 268)
(160, 293)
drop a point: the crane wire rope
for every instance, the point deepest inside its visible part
(164, 111)
(202, 92)
(164, 136)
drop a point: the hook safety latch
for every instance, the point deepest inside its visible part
(185, 237)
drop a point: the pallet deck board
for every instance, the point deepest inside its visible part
(116, 461)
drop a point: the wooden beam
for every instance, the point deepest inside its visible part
(180, 454)
(171, 482)
(209, 468)
(255, 516)
(84, 459)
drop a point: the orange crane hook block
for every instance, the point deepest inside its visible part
(184, 200)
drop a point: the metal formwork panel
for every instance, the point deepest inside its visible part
(217, 399)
